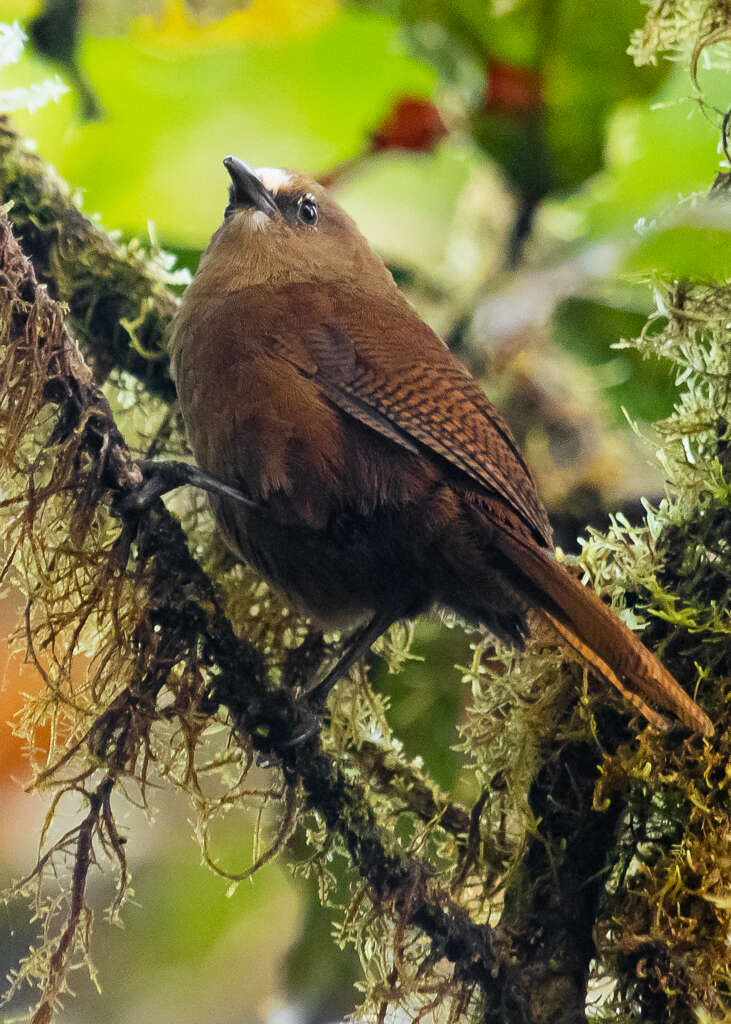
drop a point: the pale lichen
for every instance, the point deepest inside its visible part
(683, 29)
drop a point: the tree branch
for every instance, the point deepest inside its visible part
(104, 283)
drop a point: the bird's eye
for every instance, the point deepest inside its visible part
(308, 211)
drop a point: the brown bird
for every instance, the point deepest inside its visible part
(353, 460)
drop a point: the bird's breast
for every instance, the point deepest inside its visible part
(256, 422)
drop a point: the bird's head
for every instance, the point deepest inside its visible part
(281, 227)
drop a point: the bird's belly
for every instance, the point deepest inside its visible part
(339, 575)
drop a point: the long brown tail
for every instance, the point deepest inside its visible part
(603, 640)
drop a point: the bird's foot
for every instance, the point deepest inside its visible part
(161, 477)
(314, 701)
(312, 714)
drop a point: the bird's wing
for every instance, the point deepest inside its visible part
(381, 364)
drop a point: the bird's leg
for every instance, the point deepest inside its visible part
(161, 477)
(357, 644)
(303, 663)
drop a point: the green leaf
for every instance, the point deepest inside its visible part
(655, 153)
(684, 251)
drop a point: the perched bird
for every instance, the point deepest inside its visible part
(352, 458)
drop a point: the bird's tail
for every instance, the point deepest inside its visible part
(601, 639)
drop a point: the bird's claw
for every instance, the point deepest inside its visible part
(137, 500)
(161, 477)
(312, 713)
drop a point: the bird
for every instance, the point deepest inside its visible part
(354, 461)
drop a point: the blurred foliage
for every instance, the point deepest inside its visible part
(573, 69)
(179, 97)
(237, 87)
(589, 330)
(651, 159)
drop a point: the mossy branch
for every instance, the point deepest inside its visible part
(105, 284)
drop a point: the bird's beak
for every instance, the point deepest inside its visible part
(246, 188)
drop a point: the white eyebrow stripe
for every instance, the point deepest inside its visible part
(273, 178)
